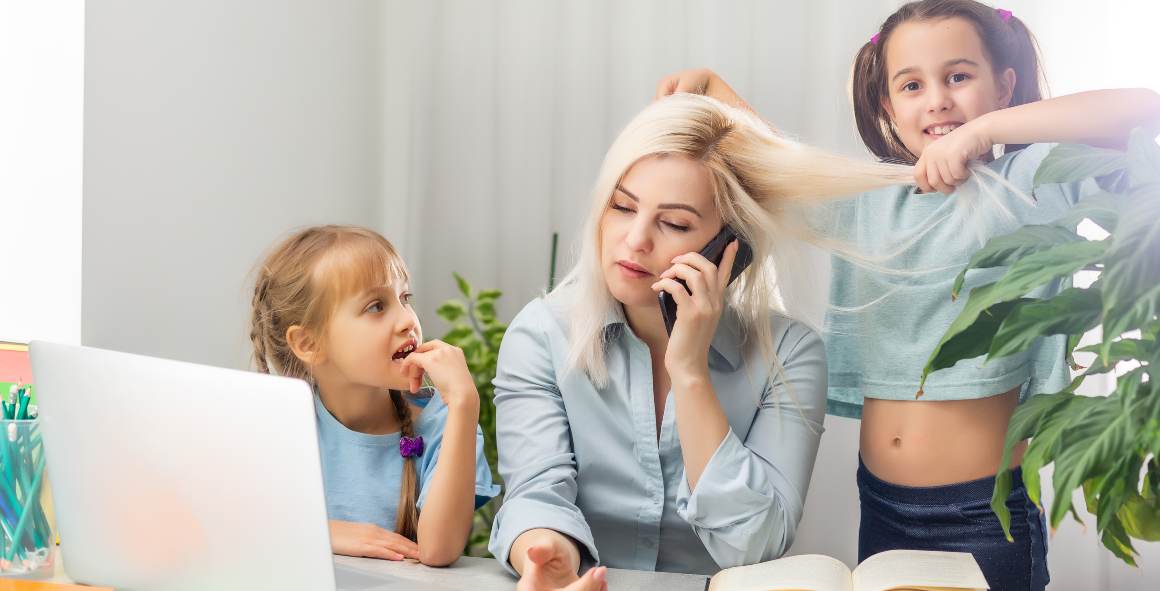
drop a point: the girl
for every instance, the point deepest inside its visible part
(940, 84)
(626, 445)
(403, 474)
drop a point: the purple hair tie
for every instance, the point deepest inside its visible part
(874, 39)
(1004, 14)
(411, 447)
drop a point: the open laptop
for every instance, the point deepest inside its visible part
(174, 476)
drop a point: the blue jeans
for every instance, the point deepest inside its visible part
(956, 518)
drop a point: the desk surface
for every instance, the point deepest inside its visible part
(485, 574)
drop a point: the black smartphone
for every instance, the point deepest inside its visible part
(714, 251)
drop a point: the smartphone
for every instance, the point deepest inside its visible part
(714, 251)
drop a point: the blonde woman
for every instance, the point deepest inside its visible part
(626, 446)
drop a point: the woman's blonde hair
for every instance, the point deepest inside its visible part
(301, 283)
(763, 187)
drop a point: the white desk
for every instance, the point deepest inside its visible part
(485, 574)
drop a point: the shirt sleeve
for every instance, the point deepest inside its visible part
(751, 495)
(536, 459)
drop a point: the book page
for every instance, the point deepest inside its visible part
(809, 572)
(914, 569)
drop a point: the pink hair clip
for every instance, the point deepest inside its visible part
(874, 39)
(1004, 14)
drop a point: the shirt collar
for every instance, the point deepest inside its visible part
(726, 343)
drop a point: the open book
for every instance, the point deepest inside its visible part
(894, 570)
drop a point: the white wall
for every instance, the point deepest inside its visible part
(41, 77)
(212, 128)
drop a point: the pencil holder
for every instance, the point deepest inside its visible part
(27, 541)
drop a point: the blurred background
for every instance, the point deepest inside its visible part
(151, 151)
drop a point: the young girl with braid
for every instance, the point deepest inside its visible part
(403, 465)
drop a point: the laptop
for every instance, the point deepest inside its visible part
(174, 476)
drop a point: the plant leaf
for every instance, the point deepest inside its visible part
(451, 310)
(464, 286)
(1067, 163)
(1003, 251)
(1024, 423)
(1098, 436)
(1131, 278)
(1072, 311)
(1102, 208)
(1025, 275)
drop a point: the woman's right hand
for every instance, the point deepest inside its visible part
(551, 560)
(367, 540)
(700, 81)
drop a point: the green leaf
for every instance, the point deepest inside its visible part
(1116, 539)
(974, 340)
(1005, 250)
(1132, 275)
(458, 335)
(1141, 518)
(1067, 163)
(1097, 437)
(489, 294)
(464, 286)
(1143, 157)
(486, 310)
(1072, 311)
(451, 310)
(1121, 350)
(1025, 275)
(1115, 182)
(1024, 423)
(1101, 208)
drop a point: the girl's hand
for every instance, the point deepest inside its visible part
(551, 561)
(943, 164)
(447, 369)
(700, 81)
(698, 310)
(367, 540)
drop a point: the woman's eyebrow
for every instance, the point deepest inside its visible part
(688, 208)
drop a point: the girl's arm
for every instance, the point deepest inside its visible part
(1099, 117)
(445, 521)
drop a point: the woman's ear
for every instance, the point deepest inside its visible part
(304, 345)
(1006, 82)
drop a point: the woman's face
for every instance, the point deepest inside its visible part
(662, 208)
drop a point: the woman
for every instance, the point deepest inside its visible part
(623, 445)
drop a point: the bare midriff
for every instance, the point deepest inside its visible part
(932, 443)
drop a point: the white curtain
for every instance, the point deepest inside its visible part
(497, 114)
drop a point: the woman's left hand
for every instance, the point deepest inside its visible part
(698, 310)
(943, 164)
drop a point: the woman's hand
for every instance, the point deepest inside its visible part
(367, 540)
(547, 559)
(698, 310)
(700, 81)
(446, 367)
(943, 164)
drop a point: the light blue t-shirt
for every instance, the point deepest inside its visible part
(881, 329)
(362, 472)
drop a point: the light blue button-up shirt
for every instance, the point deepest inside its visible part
(589, 462)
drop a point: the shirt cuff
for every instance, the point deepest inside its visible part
(517, 516)
(728, 491)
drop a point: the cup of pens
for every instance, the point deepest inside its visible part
(27, 541)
